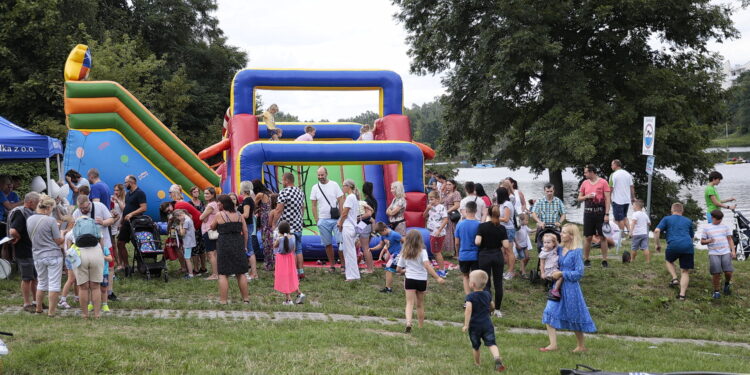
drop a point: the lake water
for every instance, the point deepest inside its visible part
(736, 183)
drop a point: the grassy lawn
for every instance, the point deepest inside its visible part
(732, 141)
(626, 299)
(141, 346)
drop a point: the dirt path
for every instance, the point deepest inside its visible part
(231, 315)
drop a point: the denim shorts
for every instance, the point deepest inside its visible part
(328, 231)
(297, 242)
(476, 335)
(620, 211)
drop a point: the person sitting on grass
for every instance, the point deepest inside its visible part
(437, 219)
(721, 251)
(390, 240)
(639, 231)
(679, 246)
(285, 273)
(550, 264)
(466, 232)
(415, 265)
(477, 319)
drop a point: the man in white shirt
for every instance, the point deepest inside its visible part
(469, 186)
(325, 195)
(623, 193)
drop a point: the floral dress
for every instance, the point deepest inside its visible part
(266, 233)
(570, 312)
(448, 201)
(399, 216)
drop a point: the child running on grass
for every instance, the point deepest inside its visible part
(285, 274)
(477, 318)
(639, 231)
(721, 251)
(437, 219)
(415, 264)
(390, 240)
(550, 264)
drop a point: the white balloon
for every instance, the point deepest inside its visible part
(37, 184)
(64, 191)
(53, 188)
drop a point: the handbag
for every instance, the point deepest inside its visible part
(335, 214)
(454, 216)
(213, 234)
(170, 248)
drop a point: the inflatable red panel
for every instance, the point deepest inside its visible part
(414, 219)
(416, 201)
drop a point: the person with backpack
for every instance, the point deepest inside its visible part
(102, 217)
(90, 238)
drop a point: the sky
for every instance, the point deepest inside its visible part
(346, 34)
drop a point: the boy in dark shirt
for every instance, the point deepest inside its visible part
(477, 318)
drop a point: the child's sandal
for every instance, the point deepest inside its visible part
(674, 282)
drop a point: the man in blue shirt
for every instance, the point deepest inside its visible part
(680, 232)
(99, 189)
(466, 232)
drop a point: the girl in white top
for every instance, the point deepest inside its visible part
(415, 264)
(366, 133)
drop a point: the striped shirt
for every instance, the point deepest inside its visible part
(719, 234)
(549, 212)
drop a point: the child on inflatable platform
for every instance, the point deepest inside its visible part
(390, 240)
(269, 117)
(550, 264)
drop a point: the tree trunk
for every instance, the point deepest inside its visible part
(555, 178)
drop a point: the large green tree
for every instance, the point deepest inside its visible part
(738, 104)
(556, 84)
(170, 53)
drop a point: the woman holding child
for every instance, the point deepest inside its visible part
(571, 312)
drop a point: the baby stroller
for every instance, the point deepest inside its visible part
(535, 275)
(148, 248)
(741, 235)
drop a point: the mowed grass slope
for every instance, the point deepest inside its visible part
(626, 299)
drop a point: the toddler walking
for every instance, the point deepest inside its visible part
(477, 318)
(187, 233)
(285, 274)
(550, 263)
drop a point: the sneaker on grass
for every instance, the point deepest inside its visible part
(727, 289)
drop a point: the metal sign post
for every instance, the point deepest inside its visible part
(649, 138)
(650, 172)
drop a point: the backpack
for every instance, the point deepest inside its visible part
(85, 232)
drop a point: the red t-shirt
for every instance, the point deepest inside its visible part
(599, 188)
(194, 213)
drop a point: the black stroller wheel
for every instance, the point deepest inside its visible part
(165, 277)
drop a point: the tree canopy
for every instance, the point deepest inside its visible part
(738, 103)
(170, 53)
(556, 84)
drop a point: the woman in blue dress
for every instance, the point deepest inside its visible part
(571, 312)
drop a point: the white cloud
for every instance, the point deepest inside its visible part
(361, 34)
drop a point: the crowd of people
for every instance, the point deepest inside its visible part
(226, 235)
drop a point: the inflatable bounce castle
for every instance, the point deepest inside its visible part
(109, 129)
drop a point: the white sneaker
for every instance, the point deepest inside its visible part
(498, 314)
(300, 299)
(507, 276)
(63, 304)
(287, 303)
